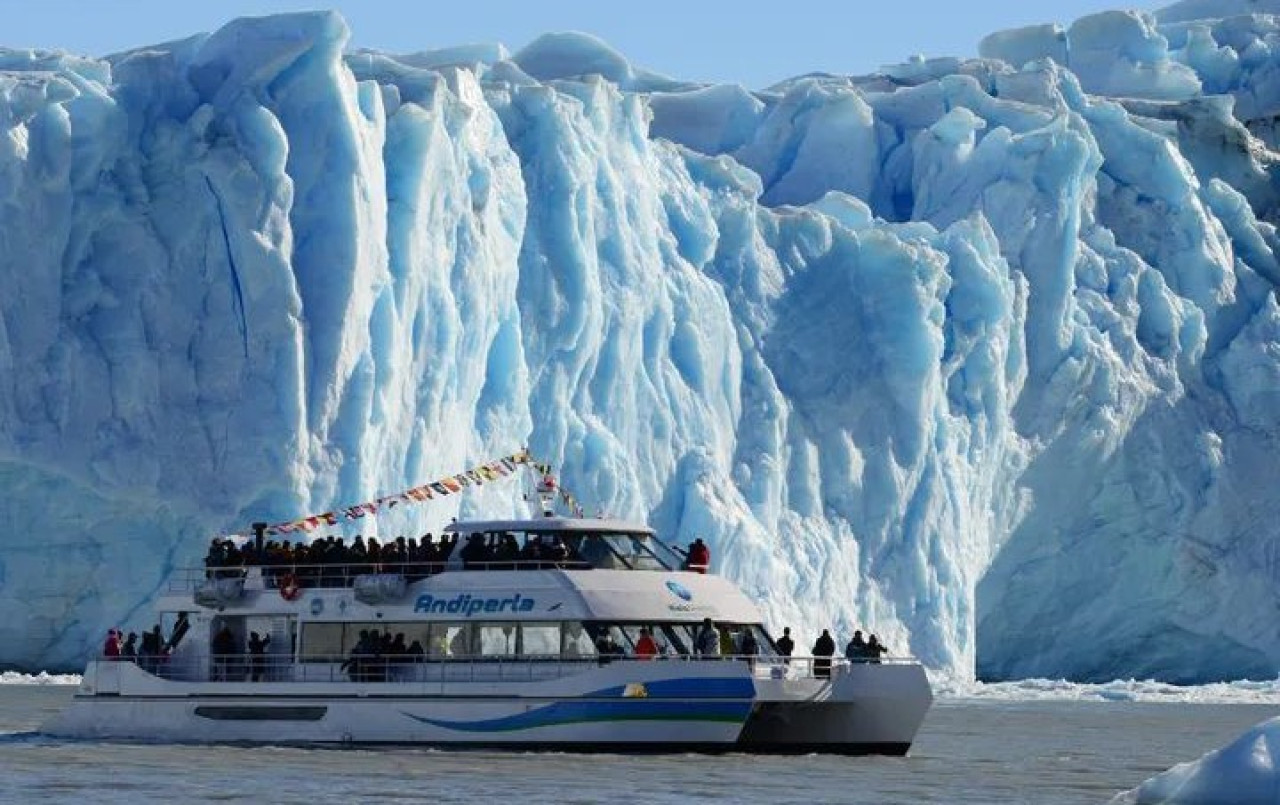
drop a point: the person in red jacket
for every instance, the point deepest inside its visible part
(646, 648)
(699, 557)
(111, 648)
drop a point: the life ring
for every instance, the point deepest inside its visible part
(290, 589)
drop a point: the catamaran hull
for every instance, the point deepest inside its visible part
(708, 706)
(863, 709)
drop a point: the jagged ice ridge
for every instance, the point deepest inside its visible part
(978, 354)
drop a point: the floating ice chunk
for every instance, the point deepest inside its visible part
(1245, 772)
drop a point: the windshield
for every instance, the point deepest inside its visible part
(626, 552)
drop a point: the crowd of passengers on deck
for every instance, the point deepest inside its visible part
(377, 654)
(330, 561)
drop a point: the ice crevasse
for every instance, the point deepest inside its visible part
(980, 355)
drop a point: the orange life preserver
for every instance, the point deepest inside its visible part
(290, 589)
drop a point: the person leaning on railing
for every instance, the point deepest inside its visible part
(823, 650)
(875, 649)
(785, 645)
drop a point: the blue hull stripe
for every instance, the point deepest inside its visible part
(616, 710)
(728, 687)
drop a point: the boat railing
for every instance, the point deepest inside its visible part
(276, 668)
(344, 574)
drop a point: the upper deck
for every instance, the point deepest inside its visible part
(586, 573)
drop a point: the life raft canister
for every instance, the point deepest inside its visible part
(290, 589)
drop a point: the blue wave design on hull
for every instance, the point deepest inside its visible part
(727, 687)
(586, 711)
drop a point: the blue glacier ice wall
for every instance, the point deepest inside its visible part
(979, 354)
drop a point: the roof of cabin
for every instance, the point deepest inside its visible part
(551, 525)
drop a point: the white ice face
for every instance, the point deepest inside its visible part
(962, 353)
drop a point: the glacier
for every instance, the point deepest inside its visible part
(978, 354)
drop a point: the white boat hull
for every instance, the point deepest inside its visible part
(625, 705)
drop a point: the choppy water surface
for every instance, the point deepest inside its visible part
(982, 750)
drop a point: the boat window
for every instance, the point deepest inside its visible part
(577, 642)
(418, 632)
(599, 553)
(495, 639)
(662, 553)
(629, 552)
(540, 639)
(663, 641)
(677, 637)
(321, 642)
(450, 640)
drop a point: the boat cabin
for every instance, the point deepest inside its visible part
(498, 597)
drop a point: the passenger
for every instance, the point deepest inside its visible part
(357, 665)
(213, 558)
(785, 644)
(146, 653)
(608, 648)
(415, 652)
(875, 649)
(130, 649)
(475, 554)
(401, 555)
(149, 653)
(223, 648)
(728, 646)
(111, 648)
(698, 558)
(397, 653)
(646, 648)
(856, 651)
(507, 552)
(707, 641)
(556, 552)
(428, 557)
(258, 656)
(749, 647)
(823, 650)
(531, 553)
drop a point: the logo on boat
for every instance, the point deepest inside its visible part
(467, 605)
(679, 591)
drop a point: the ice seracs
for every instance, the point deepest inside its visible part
(919, 351)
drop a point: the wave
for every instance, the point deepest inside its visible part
(1023, 690)
(1120, 690)
(42, 678)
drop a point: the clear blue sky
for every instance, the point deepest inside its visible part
(752, 42)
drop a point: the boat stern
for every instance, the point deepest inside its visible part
(863, 708)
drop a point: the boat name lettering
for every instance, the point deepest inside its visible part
(466, 604)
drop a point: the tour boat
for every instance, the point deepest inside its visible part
(533, 654)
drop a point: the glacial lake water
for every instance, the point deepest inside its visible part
(969, 751)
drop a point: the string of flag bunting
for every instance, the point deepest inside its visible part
(442, 487)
